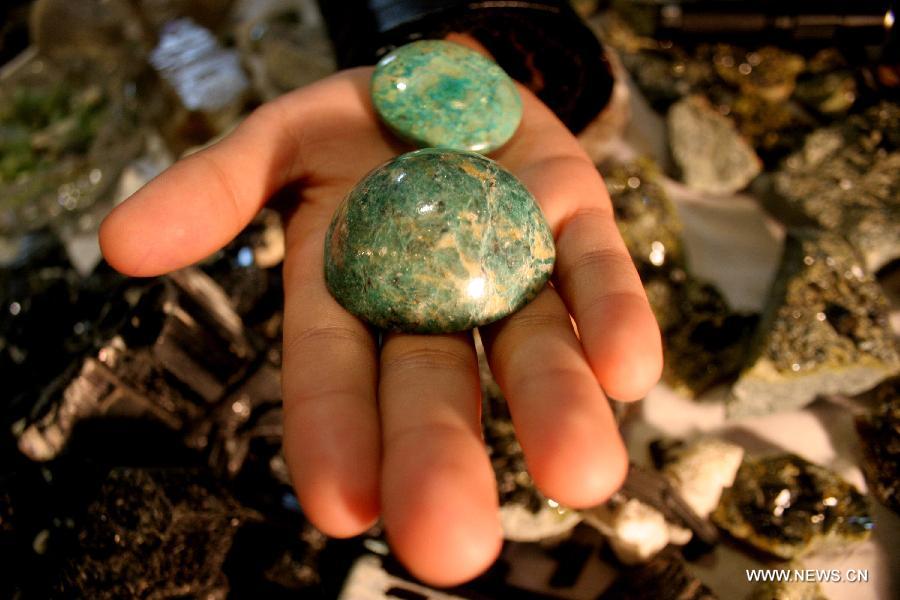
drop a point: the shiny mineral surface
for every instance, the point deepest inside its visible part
(436, 93)
(774, 97)
(437, 241)
(154, 533)
(705, 340)
(646, 217)
(828, 86)
(879, 436)
(846, 179)
(769, 72)
(788, 507)
(824, 331)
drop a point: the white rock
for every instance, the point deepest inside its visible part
(522, 525)
(635, 531)
(702, 470)
(713, 156)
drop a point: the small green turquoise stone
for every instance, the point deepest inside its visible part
(437, 241)
(436, 93)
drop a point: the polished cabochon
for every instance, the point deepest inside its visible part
(442, 94)
(437, 241)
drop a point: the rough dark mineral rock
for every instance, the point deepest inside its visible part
(666, 577)
(42, 319)
(251, 414)
(846, 179)
(828, 86)
(645, 216)
(879, 435)
(154, 534)
(248, 267)
(280, 558)
(705, 341)
(769, 72)
(773, 96)
(249, 271)
(175, 348)
(824, 330)
(788, 507)
(663, 71)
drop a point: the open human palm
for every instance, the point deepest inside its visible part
(393, 429)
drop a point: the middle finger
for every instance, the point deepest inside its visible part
(439, 497)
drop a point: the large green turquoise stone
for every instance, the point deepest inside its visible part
(437, 241)
(436, 93)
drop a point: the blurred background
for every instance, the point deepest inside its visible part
(752, 152)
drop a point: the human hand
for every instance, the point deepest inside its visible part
(395, 430)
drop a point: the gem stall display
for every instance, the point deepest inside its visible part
(141, 435)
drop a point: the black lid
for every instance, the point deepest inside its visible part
(544, 45)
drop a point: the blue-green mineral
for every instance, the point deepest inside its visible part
(437, 93)
(437, 241)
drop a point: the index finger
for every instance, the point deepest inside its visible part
(200, 203)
